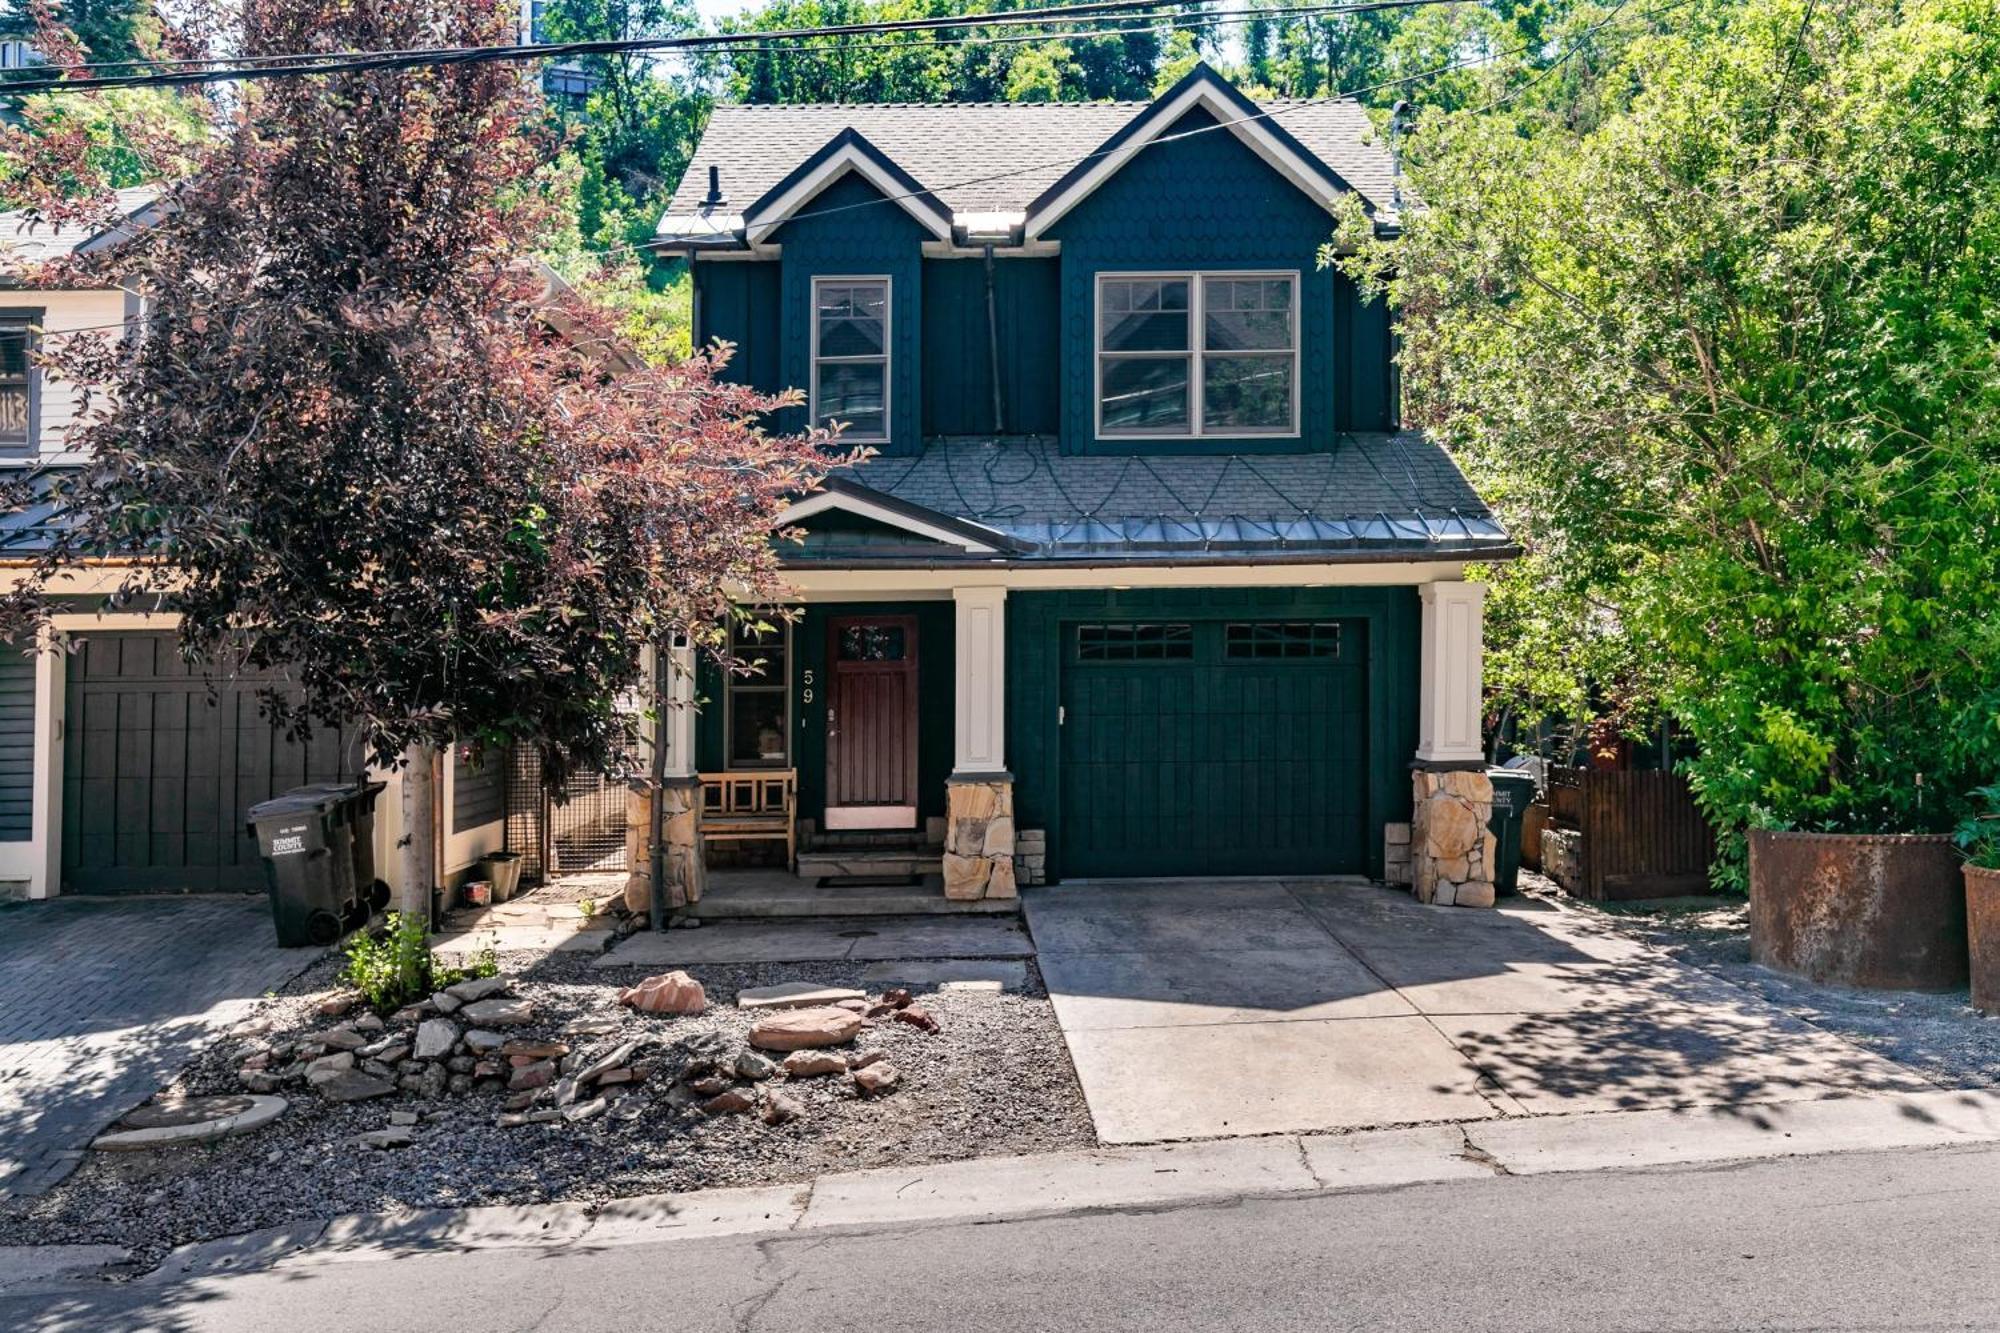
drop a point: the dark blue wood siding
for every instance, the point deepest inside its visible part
(1206, 202)
(17, 744)
(958, 376)
(852, 230)
(737, 301)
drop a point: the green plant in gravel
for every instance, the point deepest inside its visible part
(1979, 835)
(397, 967)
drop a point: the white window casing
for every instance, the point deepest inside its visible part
(1206, 298)
(841, 360)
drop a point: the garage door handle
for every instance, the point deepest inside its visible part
(1062, 715)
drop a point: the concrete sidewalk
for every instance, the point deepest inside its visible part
(1198, 1009)
(1166, 1175)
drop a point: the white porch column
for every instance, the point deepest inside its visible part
(51, 698)
(980, 729)
(979, 800)
(677, 726)
(1448, 710)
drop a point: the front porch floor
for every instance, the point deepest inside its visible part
(738, 894)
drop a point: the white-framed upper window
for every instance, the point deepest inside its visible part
(19, 393)
(1187, 355)
(850, 356)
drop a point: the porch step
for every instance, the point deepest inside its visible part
(875, 863)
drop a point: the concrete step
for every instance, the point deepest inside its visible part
(875, 863)
(739, 895)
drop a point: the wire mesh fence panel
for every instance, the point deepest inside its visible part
(586, 829)
(527, 812)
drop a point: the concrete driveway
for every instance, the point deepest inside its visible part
(1200, 1009)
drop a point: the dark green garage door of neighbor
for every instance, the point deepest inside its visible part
(1214, 748)
(156, 779)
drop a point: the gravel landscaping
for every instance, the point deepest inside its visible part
(995, 1078)
(1940, 1036)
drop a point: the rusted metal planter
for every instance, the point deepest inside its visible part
(1982, 919)
(1884, 911)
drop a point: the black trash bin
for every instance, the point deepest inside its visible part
(307, 842)
(357, 799)
(1513, 793)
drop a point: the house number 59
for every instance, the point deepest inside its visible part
(806, 694)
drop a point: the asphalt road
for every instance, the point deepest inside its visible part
(1906, 1240)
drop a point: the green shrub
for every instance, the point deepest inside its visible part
(396, 968)
(1979, 836)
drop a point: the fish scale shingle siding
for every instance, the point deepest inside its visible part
(17, 744)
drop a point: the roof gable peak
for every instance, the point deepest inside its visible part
(848, 152)
(1202, 87)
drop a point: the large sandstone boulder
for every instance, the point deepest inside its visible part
(668, 993)
(800, 1029)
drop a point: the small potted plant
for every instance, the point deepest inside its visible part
(1979, 838)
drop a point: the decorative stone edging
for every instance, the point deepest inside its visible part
(238, 1114)
(686, 872)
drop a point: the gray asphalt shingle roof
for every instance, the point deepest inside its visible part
(1373, 491)
(25, 242)
(985, 157)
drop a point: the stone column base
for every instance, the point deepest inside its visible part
(1452, 852)
(686, 872)
(979, 838)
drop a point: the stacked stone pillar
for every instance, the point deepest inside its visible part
(1452, 852)
(685, 872)
(979, 839)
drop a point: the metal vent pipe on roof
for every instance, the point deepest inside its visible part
(715, 197)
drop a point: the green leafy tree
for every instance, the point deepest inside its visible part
(1725, 358)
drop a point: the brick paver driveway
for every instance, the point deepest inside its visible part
(101, 1000)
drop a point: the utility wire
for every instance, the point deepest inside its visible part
(339, 63)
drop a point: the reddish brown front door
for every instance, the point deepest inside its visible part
(871, 723)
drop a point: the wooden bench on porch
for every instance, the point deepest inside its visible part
(752, 805)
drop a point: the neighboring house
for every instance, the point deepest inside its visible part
(1144, 556)
(117, 772)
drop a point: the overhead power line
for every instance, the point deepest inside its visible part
(184, 73)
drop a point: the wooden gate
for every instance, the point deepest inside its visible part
(1643, 835)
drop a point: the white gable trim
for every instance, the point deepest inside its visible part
(1306, 173)
(849, 157)
(864, 507)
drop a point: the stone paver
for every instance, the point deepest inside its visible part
(102, 999)
(1340, 1005)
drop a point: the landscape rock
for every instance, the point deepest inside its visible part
(435, 1038)
(794, 995)
(808, 1064)
(499, 1013)
(342, 1038)
(667, 993)
(863, 1059)
(489, 1069)
(755, 1067)
(481, 1042)
(897, 996)
(396, 1136)
(711, 1085)
(328, 1066)
(604, 1064)
(474, 989)
(369, 1023)
(733, 1102)
(875, 1079)
(459, 1085)
(595, 1026)
(537, 1075)
(460, 1064)
(534, 1048)
(446, 1003)
(800, 1029)
(581, 1111)
(257, 1081)
(782, 1108)
(402, 1117)
(333, 1006)
(354, 1086)
(614, 1077)
(917, 1017)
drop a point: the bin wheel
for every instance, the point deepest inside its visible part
(323, 927)
(378, 895)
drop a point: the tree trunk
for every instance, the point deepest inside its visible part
(419, 845)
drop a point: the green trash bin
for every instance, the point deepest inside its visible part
(1513, 793)
(308, 847)
(357, 799)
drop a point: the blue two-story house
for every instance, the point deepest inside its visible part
(1144, 577)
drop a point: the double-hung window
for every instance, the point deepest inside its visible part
(850, 356)
(1186, 355)
(758, 704)
(17, 383)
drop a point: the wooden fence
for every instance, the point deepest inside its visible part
(1643, 837)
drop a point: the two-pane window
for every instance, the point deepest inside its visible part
(17, 397)
(850, 356)
(758, 703)
(1192, 354)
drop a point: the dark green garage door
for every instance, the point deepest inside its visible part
(1214, 748)
(156, 778)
